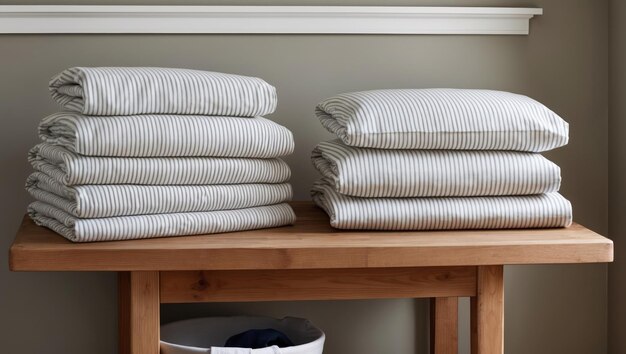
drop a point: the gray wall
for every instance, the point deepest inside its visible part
(617, 174)
(563, 63)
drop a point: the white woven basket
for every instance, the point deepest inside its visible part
(206, 335)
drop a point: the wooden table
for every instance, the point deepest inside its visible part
(312, 261)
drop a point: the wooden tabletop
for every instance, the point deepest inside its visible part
(310, 244)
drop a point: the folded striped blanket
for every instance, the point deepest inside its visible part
(99, 201)
(159, 225)
(167, 135)
(447, 119)
(111, 91)
(71, 169)
(507, 212)
(366, 172)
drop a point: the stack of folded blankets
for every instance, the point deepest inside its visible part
(436, 159)
(153, 152)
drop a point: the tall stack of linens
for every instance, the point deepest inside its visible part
(437, 159)
(154, 152)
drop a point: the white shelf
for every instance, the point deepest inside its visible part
(51, 19)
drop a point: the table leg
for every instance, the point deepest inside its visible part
(444, 325)
(487, 311)
(139, 322)
(123, 315)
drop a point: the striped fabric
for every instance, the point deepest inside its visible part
(159, 225)
(99, 201)
(167, 135)
(366, 172)
(72, 169)
(534, 211)
(451, 119)
(128, 91)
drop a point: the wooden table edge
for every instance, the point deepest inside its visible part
(147, 260)
(314, 245)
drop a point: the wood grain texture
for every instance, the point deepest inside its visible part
(123, 305)
(487, 311)
(316, 284)
(444, 319)
(310, 244)
(144, 313)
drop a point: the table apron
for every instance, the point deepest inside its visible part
(316, 284)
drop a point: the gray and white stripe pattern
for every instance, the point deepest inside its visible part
(99, 201)
(506, 212)
(366, 172)
(110, 91)
(160, 225)
(451, 119)
(167, 136)
(71, 169)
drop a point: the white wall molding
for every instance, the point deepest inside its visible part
(51, 19)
